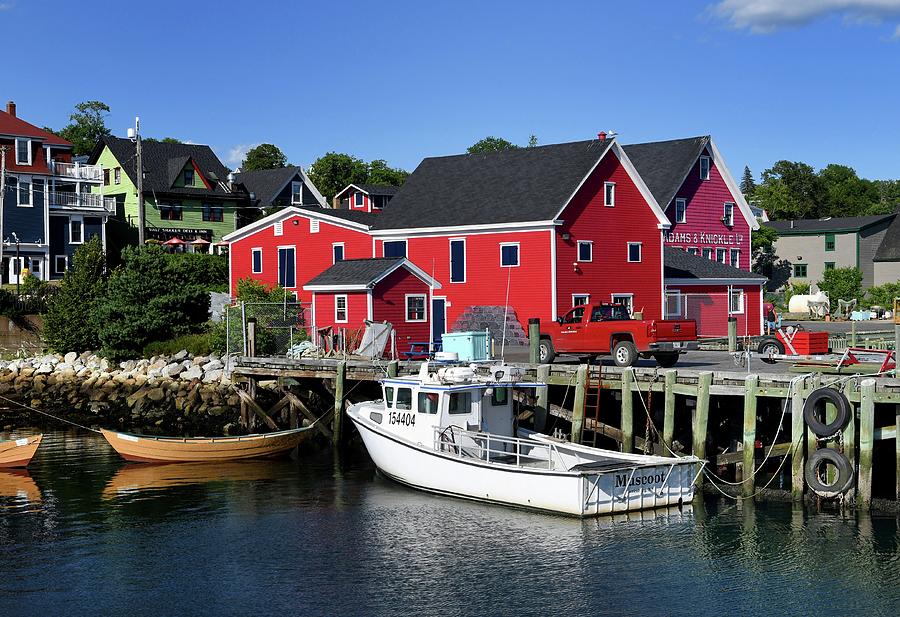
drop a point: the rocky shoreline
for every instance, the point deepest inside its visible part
(175, 395)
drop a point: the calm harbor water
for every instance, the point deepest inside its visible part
(85, 534)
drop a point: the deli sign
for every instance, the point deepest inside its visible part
(702, 237)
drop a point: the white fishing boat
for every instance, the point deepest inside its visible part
(452, 431)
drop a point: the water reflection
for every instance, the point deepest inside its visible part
(17, 487)
(327, 535)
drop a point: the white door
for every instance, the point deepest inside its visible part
(17, 267)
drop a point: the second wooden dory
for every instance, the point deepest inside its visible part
(18, 452)
(150, 449)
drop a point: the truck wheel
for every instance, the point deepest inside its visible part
(547, 353)
(624, 353)
(666, 360)
(770, 345)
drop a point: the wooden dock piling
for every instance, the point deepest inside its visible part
(749, 435)
(581, 378)
(701, 419)
(798, 430)
(338, 420)
(534, 340)
(668, 434)
(542, 404)
(732, 334)
(848, 438)
(866, 442)
(627, 421)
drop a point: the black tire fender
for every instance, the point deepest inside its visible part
(843, 477)
(811, 405)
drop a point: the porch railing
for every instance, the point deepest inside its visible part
(90, 201)
(78, 171)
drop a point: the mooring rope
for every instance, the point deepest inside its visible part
(50, 415)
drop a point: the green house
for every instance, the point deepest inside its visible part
(187, 193)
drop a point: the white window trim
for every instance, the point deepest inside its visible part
(590, 243)
(741, 294)
(294, 183)
(588, 296)
(278, 228)
(613, 202)
(728, 217)
(334, 245)
(30, 153)
(19, 203)
(450, 259)
(253, 251)
(640, 246)
(676, 294)
(724, 255)
(403, 240)
(117, 175)
(56, 259)
(630, 296)
(72, 219)
(346, 309)
(518, 254)
(406, 298)
(358, 196)
(712, 253)
(294, 248)
(731, 257)
(683, 217)
(708, 167)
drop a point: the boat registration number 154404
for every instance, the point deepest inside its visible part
(406, 419)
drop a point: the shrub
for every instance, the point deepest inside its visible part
(842, 284)
(883, 295)
(195, 344)
(251, 290)
(149, 298)
(207, 271)
(70, 322)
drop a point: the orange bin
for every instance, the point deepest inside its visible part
(809, 343)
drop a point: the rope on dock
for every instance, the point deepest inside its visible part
(50, 415)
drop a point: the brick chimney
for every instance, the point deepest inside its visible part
(11, 108)
(601, 135)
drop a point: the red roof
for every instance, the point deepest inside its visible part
(11, 125)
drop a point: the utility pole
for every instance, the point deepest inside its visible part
(140, 178)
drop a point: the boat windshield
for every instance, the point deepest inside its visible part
(428, 402)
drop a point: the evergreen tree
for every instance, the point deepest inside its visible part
(748, 185)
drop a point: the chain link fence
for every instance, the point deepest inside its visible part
(279, 327)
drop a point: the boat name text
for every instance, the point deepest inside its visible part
(406, 419)
(654, 478)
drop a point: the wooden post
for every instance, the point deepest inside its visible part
(749, 434)
(812, 443)
(534, 340)
(541, 408)
(897, 446)
(669, 410)
(732, 334)
(251, 337)
(393, 368)
(797, 438)
(701, 419)
(578, 406)
(866, 442)
(627, 412)
(337, 421)
(852, 333)
(849, 433)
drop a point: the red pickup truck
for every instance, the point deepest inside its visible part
(603, 329)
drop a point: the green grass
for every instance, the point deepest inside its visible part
(195, 344)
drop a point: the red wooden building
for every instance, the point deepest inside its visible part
(365, 197)
(387, 289)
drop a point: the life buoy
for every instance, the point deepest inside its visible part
(843, 479)
(810, 408)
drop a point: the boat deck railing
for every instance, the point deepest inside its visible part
(497, 449)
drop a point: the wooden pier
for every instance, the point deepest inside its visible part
(652, 410)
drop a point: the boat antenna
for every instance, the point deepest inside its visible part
(431, 309)
(505, 311)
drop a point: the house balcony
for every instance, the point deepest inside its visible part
(81, 201)
(77, 171)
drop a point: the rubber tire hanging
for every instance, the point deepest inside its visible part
(841, 404)
(844, 473)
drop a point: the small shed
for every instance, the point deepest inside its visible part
(388, 289)
(710, 292)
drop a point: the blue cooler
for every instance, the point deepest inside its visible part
(470, 346)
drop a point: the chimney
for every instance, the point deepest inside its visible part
(601, 135)
(11, 108)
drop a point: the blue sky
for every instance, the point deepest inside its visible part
(815, 81)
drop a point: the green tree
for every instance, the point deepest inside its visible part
(532, 141)
(264, 156)
(334, 171)
(748, 184)
(491, 144)
(790, 190)
(841, 284)
(87, 125)
(164, 140)
(149, 298)
(846, 194)
(71, 323)
(888, 194)
(381, 173)
(762, 238)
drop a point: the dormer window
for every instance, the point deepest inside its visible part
(704, 168)
(23, 152)
(296, 192)
(609, 194)
(188, 177)
(358, 199)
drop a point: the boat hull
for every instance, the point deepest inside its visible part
(19, 452)
(147, 449)
(575, 493)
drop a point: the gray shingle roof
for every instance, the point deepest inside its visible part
(682, 265)
(356, 271)
(266, 184)
(527, 184)
(664, 164)
(889, 249)
(160, 158)
(365, 218)
(828, 224)
(379, 189)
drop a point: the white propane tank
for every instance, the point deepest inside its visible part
(456, 374)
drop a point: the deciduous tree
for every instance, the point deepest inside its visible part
(87, 125)
(333, 171)
(264, 156)
(491, 144)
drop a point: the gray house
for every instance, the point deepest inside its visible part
(813, 246)
(887, 257)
